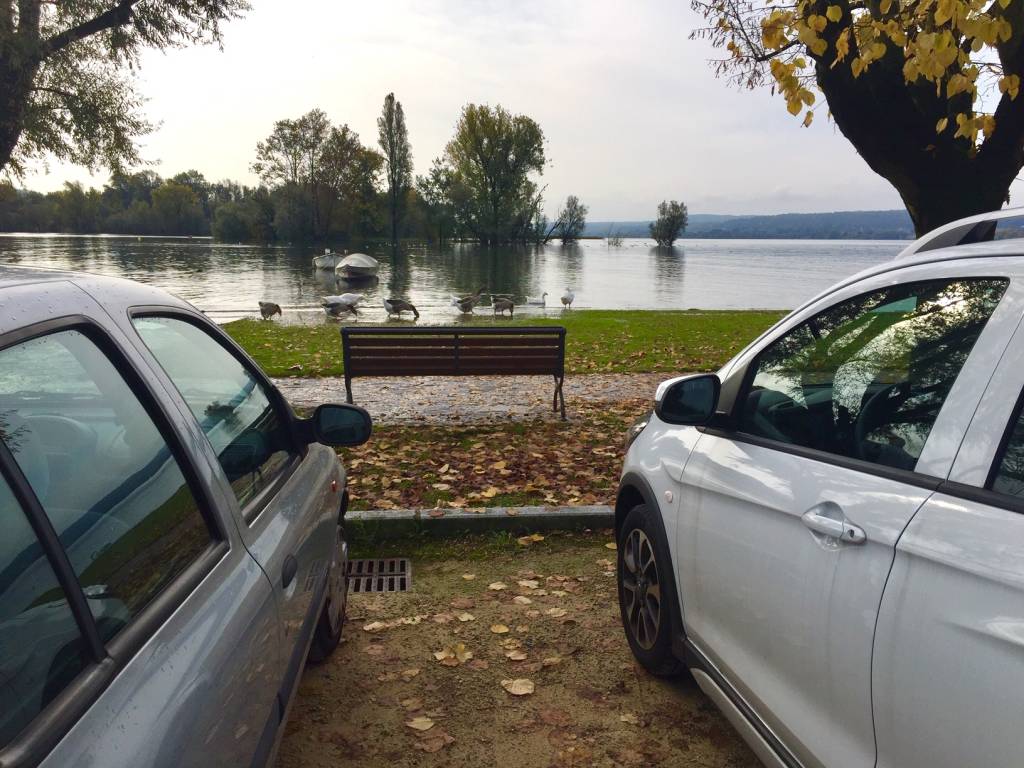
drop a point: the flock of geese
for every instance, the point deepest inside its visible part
(347, 303)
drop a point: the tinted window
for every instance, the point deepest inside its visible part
(867, 377)
(250, 437)
(102, 471)
(1009, 477)
(41, 649)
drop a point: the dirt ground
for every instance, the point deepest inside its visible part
(503, 654)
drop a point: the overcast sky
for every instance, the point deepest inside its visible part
(631, 111)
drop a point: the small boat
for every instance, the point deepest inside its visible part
(328, 260)
(357, 265)
(537, 301)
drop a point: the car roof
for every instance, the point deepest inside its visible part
(112, 292)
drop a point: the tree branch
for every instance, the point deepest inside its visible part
(117, 16)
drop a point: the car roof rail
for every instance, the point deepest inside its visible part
(973, 229)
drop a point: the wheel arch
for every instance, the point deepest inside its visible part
(633, 490)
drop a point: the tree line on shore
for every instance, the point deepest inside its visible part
(320, 183)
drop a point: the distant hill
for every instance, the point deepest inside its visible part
(839, 225)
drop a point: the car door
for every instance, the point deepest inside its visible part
(792, 506)
(288, 495)
(153, 649)
(949, 651)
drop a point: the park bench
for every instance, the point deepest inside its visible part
(449, 351)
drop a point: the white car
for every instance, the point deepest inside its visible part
(829, 533)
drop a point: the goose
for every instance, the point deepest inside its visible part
(398, 306)
(337, 305)
(535, 301)
(466, 303)
(568, 298)
(500, 304)
(268, 309)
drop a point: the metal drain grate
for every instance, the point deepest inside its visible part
(388, 575)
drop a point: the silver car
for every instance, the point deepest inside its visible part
(172, 549)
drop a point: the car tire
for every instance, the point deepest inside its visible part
(327, 634)
(647, 593)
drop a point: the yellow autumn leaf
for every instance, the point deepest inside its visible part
(834, 13)
(518, 687)
(808, 118)
(499, 629)
(422, 723)
(941, 125)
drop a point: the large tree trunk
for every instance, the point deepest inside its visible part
(892, 124)
(15, 93)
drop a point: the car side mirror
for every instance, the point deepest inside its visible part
(341, 425)
(689, 400)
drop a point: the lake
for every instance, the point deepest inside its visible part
(226, 281)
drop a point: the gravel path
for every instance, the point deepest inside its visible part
(467, 400)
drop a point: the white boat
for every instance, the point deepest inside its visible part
(328, 260)
(357, 265)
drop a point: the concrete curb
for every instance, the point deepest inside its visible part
(393, 523)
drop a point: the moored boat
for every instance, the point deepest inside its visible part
(329, 260)
(357, 265)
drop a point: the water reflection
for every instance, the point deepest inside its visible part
(228, 280)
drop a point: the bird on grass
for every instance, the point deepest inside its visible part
(398, 306)
(568, 298)
(500, 304)
(268, 309)
(537, 301)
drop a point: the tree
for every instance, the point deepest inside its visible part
(909, 82)
(394, 142)
(66, 87)
(492, 156)
(437, 192)
(572, 220)
(177, 210)
(671, 222)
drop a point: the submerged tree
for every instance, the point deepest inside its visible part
(925, 90)
(572, 220)
(394, 142)
(671, 222)
(66, 87)
(492, 156)
(438, 193)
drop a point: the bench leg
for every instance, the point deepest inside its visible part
(559, 396)
(348, 390)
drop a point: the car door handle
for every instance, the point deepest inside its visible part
(840, 529)
(288, 571)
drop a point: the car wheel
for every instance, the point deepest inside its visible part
(647, 595)
(327, 634)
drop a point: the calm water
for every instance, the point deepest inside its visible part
(226, 281)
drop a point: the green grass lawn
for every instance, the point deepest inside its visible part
(597, 341)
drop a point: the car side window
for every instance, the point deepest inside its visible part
(41, 648)
(1008, 477)
(867, 377)
(102, 471)
(251, 438)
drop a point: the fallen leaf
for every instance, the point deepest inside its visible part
(469, 576)
(409, 674)
(443, 469)
(490, 493)
(497, 586)
(529, 583)
(531, 539)
(610, 545)
(629, 717)
(518, 687)
(555, 612)
(499, 629)
(466, 617)
(516, 655)
(478, 664)
(412, 703)
(374, 626)
(433, 741)
(421, 723)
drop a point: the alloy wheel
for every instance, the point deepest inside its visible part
(641, 588)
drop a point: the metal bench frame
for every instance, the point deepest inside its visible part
(452, 351)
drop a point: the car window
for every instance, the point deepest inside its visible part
(1009, 475)
(41, 649)
(866, 378)
(250, 437)
(101, 470)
